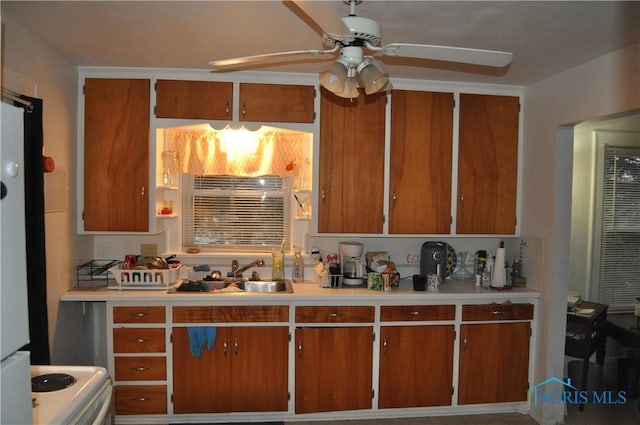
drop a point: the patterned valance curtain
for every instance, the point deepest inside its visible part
(266, 151)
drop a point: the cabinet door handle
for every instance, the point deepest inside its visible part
(235, 347)
(323, 196)
(143, 193)
(140, 368)
(384, 345)
(394, 198)
(225, 347)
(300, 348)
(464, 344)
(462, 197)
(244, 110)
(226, 107)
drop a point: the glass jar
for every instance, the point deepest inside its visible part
(170, 168)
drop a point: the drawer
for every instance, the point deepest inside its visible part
(140, 399)
(138, 314)
(497, 312)
(138, 340)
(336, 314)
(211, 314)
(408, 313)
(141, 368)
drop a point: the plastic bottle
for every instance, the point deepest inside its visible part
(297, 274)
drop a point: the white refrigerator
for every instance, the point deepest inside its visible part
(15, 376)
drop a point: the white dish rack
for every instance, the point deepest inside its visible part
(144, 278)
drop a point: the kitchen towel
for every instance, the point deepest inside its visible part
(498, 278)
(201, 337)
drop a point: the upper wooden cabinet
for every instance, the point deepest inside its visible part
(487, 164)
(194, 99)
(351, 181)
(213, 100)
(420, 172)
(116, 155)
(276, 103)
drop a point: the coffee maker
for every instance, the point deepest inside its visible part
(433, 258)
(351, 263)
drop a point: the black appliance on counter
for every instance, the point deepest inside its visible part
(433, 258)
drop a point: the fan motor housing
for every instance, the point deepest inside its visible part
(362, 29)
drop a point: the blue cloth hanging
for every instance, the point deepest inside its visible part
(201, 337)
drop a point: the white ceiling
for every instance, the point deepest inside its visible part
(545, 37)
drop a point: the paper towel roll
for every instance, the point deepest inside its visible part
(498, 278)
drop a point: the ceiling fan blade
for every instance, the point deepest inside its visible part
(265, 58)
(446, 53)
(323, 14)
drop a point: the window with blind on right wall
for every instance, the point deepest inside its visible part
(618, 218)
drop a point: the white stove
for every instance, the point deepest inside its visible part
(84, 397)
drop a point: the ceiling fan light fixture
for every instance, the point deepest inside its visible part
(334, 79)
(350, 90)
(372, 78)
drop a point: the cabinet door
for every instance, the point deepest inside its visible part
(494, 362)
(210, 100)
(202, 385)
(333, 369)
(420, 173)
(246, 371)
(116, 155)
(259, 374)
(351, 181)
(416, 366)
(487, 164)
(277, 103)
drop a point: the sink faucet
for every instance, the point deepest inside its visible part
(236, 269)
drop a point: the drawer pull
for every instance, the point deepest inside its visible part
(497, 312)
(140, 340)
(139, 314)
(333, 315)
(140, 368)
(140, 398)
(416, 313)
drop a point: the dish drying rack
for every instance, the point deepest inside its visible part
(144, 278)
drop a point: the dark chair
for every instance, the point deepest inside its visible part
(586, 334)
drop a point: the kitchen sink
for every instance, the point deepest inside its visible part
(234, 285)
(265, 285)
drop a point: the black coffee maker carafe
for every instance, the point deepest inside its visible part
(433, 259)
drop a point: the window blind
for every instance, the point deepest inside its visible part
(232, 211)
(620, 243)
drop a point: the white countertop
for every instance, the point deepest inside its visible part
(451, 290)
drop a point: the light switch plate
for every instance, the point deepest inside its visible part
(149, 249)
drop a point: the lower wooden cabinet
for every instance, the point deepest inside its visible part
(333, 368)
(416, 366)
(494, 362)
(246, 371)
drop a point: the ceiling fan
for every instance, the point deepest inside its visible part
(352, 36)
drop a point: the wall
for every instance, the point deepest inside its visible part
(55, 79)
(602, 87)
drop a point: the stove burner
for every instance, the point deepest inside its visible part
(51, 382)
